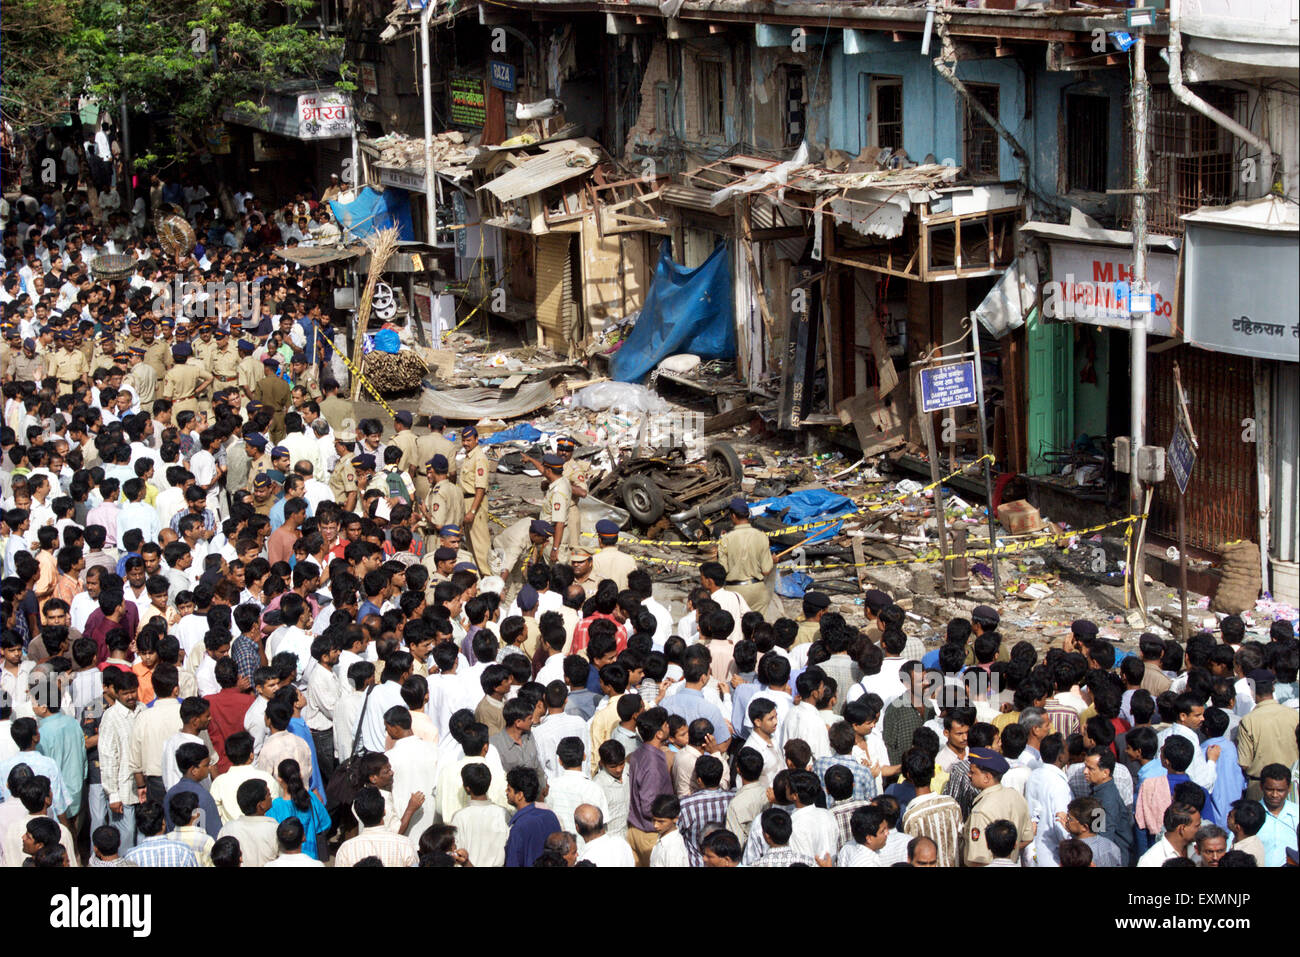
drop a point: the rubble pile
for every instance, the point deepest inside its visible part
(885, 534)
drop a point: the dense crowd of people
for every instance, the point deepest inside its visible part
(243, 628)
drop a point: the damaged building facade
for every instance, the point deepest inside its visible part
(877, 175)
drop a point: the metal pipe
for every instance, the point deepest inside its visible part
(1138, 321)
(929, 28)
(1018, 151)
(431, 220)
(1188, 98)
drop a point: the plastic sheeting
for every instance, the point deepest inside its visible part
(373, 211)
(476, 403)
(809, 505)
(523, 432)
(623, 396)
(685, 310)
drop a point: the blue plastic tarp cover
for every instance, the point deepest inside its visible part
(373, 211)
(809, 505)
(523, 432)
(685, 311)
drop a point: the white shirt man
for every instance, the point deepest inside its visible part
(1047, 792)
(805, 722)
(814, 832)
(548, 733)
(608, 851)
(415, 768)
(569, 789)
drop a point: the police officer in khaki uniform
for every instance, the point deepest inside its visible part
(156, 352)
(993, 803)
(69, 366)
(204, 348)
(338, 410)
(404, 439)
(343, 480)
(580, 559)
(444, 505)
(184, 382)
(264, 489)
(746, 554)
(578, 473)
(105, 349)
(304, 376)
(474, 487)
(27, 366)
(224, 362)
(275, 393)
(258, 460)
(609, 562)
(142, 377)
(426, 447)
(10, 344)
(363, 466)
(249, 370)
(559, 510)
(134, 334)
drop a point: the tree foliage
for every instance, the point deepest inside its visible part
(189, 58)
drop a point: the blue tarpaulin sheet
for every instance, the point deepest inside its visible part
(523, 432)
(373, 211)
(810, 505)
(686, 310)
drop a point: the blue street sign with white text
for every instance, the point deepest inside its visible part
(948, 386)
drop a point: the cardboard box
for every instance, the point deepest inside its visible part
(1019, 517)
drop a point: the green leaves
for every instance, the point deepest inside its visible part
(192, 58)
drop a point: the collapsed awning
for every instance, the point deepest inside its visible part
(319, 255)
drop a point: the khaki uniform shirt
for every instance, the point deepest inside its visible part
(25, 369)
(578, 474)
(427, 446)
(309, 384)
(558, 507)
(994, 803)
(474, 471)
(446, 504)
(144, 380)
(746, 554)
(343, 481)
(181, 385)
(337, 410)
(260, 464)
(1266, 736)
(159, 355)
(204, 351)
(610, 563)
(249, 371)
(69, 368)
(224, 366)
(405, 441)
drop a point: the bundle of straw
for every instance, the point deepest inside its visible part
(382, 246)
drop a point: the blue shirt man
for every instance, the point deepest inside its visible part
(529, 829)
(1278, 835)
(1229, 783)
(40, 764)
(690, 704)
(209, 816)
(63, 743)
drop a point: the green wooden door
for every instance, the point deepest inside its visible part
(1050, 420)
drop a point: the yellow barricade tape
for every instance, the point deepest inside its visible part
(356, 372)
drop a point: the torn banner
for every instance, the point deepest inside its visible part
(686, 310)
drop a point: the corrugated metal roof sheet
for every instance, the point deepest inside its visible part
(1093, 234)
(319, 255)
(560, 162)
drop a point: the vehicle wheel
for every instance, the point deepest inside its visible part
(724, 458)
(642, 498)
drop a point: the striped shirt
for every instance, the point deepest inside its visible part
(937, 817)
(161, 852)
(197, 840)
(1079, 786)
(783, 857)
(843, 815)
(864, 782)
(1064, 719)
(395, 850)
(699, 809)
